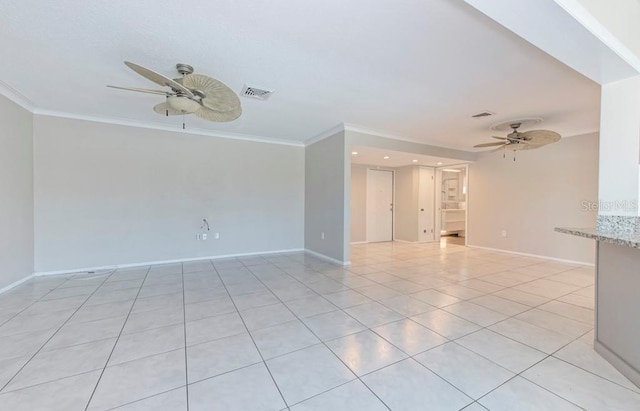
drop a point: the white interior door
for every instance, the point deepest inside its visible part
(379, 206)
(426, 205)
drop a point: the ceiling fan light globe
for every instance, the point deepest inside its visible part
(182, 103)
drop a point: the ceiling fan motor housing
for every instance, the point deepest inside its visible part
(184, 69)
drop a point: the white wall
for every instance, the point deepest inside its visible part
(543, 189)
(16, 193)
(108, 194)
(620, 147)
(326, 204)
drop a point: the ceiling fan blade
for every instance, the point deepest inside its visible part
(540, 137)
(217, 116)
(144, 90)
(499, 138)
(217, 95)
(488, 145)
(159, 79)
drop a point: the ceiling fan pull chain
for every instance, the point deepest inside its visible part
(183, 127)
(514, 155)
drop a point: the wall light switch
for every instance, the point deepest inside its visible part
(216, 236)
(204, 236)
(322, 236)
(503, 233)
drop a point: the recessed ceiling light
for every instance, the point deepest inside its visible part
(386, 157)
(439, 163)
(415, 161)
(355, 153)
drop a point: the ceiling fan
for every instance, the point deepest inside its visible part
(527, 140)
(197, 94)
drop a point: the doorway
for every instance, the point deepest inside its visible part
(379, 205)
(452, 198)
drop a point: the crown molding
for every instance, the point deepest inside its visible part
(576, 10)
(15, 96)
(151, 126)
(325, 134)
(374, 132)
(21, 100)
(384, 134)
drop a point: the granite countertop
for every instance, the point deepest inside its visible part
(622, 238)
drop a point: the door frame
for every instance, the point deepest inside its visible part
(393, 202)
(438, 199)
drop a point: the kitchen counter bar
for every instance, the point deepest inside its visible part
(617, 295)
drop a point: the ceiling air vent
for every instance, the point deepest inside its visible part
(483, 114)
(255, 92)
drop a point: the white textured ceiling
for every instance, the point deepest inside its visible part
(413, 68)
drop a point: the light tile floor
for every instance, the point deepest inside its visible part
(406, 327)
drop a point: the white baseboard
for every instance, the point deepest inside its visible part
(618, 363)
(180, 260)
(327, 258)
(545, 257)
(359, 242)
(404, 241)
(16, 283)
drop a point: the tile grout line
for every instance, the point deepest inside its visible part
(106, 364)
(321, 341)
(56, 332)
(184, 327)
(533, 365)
(250, 335)
(39, 299)
(449, 340)
(258, 278)
(547, 355)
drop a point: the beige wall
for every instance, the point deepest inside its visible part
(528, 198)
(16, 193)
(406, 203)
(108, 194)
(358, 203)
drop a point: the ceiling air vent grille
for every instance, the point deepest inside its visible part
(255, 92)
(483, 114)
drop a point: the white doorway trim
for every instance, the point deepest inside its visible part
(438, 199)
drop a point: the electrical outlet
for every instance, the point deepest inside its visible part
(503, 233)
(216, 236)
(204, 236)
(322, 236)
